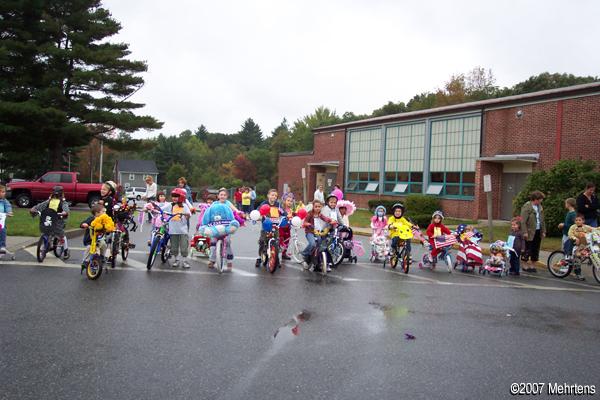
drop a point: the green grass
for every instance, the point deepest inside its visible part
(362, 219)
(21, 224)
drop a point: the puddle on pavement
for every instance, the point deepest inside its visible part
(292, 328)
(389, 311)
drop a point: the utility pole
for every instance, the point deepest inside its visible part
(101, 159)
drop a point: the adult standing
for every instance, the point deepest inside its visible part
(238, 198)
(533, 226)
(587, 204)
(182, 183)
(151, 190)
(319, 195)
(337, 192)
(252, 198)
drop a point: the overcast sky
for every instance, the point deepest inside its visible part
(219, 62)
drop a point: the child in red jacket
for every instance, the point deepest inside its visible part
(435, 229)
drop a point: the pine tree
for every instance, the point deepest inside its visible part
(250, 135)
(61, 82)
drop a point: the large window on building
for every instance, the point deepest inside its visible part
(404, 152)
(455, 147)
(363, 160)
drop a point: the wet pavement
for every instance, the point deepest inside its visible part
(362, 332)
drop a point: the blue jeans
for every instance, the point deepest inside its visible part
(310, 238)
(567, 246)
(395, 241)
(515, 262)
(3, 237)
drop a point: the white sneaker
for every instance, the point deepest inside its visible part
(175, 264)
(328, 268)
(3, 250)
(186, 264)
(305, 265)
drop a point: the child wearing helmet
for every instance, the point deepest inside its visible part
(317, 224)
(330, 209)
(178, 226)
(435, 229)
(400, 226)
(378, 221)
(107, 197)
(59, 205)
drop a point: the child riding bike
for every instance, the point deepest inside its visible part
(218, 221)
(400, 228)
(56, 205)
(98, 225)
(269, 209)
(316, 226)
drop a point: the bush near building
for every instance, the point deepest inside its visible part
(566, 179)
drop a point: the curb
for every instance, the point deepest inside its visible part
(70, 234)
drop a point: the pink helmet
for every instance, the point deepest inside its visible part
(179, 192)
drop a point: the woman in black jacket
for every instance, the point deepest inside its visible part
(587, 204)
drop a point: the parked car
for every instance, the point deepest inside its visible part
(28, 193)
(135, 193)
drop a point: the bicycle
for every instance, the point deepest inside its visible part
(320, 257)
(560, 266)
(269, 249)
(220, 246)
(95, 261)
(400, 252)
(161, 240)
(444, 245)
(119, 239)
(48, 240)
(294, 246)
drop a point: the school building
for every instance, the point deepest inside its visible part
(447, 151)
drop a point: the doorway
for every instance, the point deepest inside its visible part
(512, 183)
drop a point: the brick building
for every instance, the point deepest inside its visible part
(446, 151)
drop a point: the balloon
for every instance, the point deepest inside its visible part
(267, 225)
(302, 213)
(284, 222)
(264, 210)
(296, 222)
(254, 215)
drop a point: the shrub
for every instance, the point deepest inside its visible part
(566, 179)
(423, 220)
(417, 204)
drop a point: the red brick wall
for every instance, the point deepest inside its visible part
(581, 129)
(328, 146)
(479, 209)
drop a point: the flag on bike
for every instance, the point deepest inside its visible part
(444, 241)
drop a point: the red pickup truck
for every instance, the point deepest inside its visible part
(28, 193)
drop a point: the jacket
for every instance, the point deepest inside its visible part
(398, 224)
(5, 206)
(528, 220)
(316, 223)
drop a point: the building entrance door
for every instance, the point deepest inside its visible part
(330, 181)
(512, 183)
(321, 181)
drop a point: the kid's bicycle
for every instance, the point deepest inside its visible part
(269, 249)
(49, 240)
(95, 260)
(119, 238)
(560, 266)
(161, 240)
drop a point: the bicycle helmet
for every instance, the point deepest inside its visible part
(179, 192)
(112, 186)
(400, 206)
(57, 190)
(378, 208)
(437, 213)
(331, 196)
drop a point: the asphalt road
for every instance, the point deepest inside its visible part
(175, 334)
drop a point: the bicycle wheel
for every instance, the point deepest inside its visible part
(273, 257)
(42, 248)
(94, 268)
(405, 261)
(595, 264)
(324, 263)
(58, 248)
(114, 250)
(165, 251)
(296, 252)
(393, 259)
(153, 252)
(448, 259)
(124, 250)
(337, 254)
(221, 255)
(558, 265)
